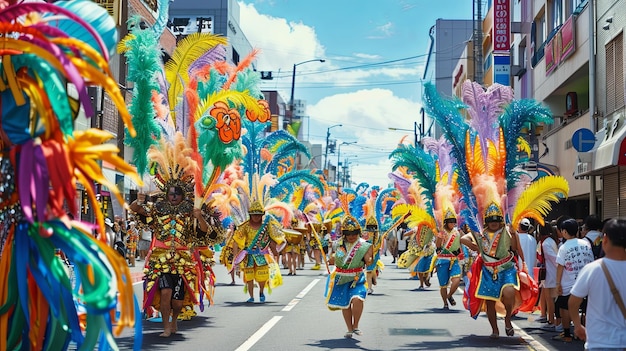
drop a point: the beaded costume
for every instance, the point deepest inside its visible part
(255, 256)
(179, 246)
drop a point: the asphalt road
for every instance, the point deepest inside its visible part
(397, 316)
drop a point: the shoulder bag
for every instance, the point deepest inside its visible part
(614, 291)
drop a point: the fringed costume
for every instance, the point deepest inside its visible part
(180, 246)
(347, 281)
(61, 282)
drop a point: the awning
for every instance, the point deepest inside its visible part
(610, 152)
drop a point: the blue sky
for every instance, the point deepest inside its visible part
(375, 52)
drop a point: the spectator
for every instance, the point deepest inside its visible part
(528, 244)
(145, 238)
(571, 258)
(547, 251)
(132, 238)
(591, 230)
(606, 319)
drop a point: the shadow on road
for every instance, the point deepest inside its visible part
(470, 341)
(151, 331)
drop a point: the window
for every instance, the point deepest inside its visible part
(556, 13)
(615, 74)
(235, 57)
(152, 5)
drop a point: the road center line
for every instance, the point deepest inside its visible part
(307, 289)
(259, 334)
(299, 297)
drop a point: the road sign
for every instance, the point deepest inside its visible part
(583, 140)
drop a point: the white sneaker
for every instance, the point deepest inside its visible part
(558, 328)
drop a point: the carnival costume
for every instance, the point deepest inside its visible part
(374, 238)
(435, 190)
(492, 182)
(51, 55)
(422, 247)
(255, 257)
(448, 254)
(179, 245)
(347, 280)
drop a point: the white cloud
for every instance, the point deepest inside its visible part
(365, 114)
(282, 43)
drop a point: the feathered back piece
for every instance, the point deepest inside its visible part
(174, 165)
(51, 55)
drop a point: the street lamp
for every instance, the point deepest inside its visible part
(293, 81)
(415, 128)
(327, 138)
(339, 150)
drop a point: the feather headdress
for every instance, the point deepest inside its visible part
(52, 47)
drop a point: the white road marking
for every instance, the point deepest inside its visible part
(300, 295)
(532, 343)
(307, 289)
(259, 334)
(270, 324)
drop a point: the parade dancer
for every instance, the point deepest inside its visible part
(373, 237)
(495, 188)
(172, 279)
(256, 241)
(345, 287)
(448, 250)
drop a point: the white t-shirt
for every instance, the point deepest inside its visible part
(529, 248)
(146, 234)
(573, 256)
(550, 250)
(606, 325)
(401, 241)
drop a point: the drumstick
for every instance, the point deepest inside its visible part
(318, 242)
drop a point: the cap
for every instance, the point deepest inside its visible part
(525, 224)
(108, 222)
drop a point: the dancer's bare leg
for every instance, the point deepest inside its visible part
(166, 310)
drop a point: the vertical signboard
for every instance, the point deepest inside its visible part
(501, 26)
(550, 56)
(502, 70)
(568, 40)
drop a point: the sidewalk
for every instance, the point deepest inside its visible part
(137, 272)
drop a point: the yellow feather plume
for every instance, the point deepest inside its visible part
(418, 216)
(187, 51)
(535, 201)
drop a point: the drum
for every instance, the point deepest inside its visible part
(293, 237)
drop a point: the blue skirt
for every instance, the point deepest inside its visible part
(341, 296)
(490, 289)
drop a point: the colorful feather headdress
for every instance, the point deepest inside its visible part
(46, 49)
(173, 165)
(486, 148)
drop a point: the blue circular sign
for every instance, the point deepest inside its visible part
(583, 140)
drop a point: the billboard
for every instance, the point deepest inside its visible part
(501, 26)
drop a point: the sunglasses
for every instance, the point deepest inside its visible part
(351, 233)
